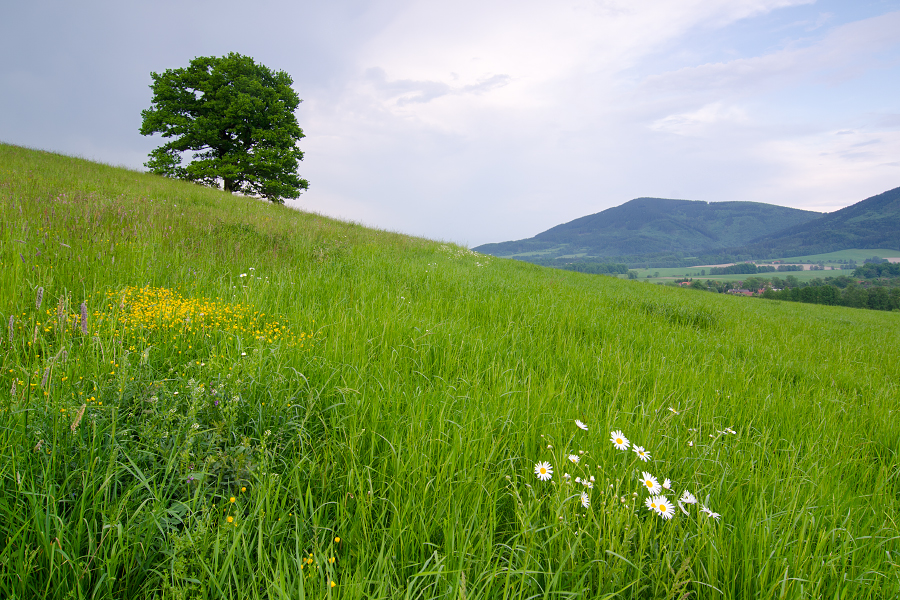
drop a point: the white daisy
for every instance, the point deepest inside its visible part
(673, 410)
(710, 513)
(688, 498)
(650, 503)
(667, 484)
(581, 425)
(543, 470)
(574, 458)
(643, 454)
(567, 476)
(651, 483)
(664, 508)
(619, 440)
(588, 484)
(585, 500)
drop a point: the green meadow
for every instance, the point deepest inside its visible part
(210, 396)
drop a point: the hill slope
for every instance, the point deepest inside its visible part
(656, 225)
(208, 396)
(870, 223)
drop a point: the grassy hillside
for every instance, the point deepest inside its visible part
(656, 225)
(207, 396)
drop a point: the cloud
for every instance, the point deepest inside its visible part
(846, 51)
(701, 120)
(410, 91)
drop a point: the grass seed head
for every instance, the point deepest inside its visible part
(84, 328)
(39, 298)
(12, 326)
(61, 312)
(77, 420)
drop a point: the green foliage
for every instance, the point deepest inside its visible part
(875, 270)
(392, 455)
(237, 117)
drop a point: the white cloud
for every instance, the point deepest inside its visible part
(702, 120)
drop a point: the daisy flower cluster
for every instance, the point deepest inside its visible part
(656, 501)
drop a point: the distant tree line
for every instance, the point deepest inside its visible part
(875, 270)
(875, 286)
(875, 297)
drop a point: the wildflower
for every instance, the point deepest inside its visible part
(585, 500)
(642, 454)
(543, 470)
(333, 584)
(619, 440)
(574, 458)
(691, 444)
(581, 425)
(664, 508)
(688, 498)
(667, 484)
(243, 489)
(673, 410)
(730, 430)
(710, 513)
(230, 519)
(549, 447)
(588, 484)
(232, 499)
(567, 476)
(650, 503)
(337, 540)
(651, 483)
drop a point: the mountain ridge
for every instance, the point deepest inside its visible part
(646, 229)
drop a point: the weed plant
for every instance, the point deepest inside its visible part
(209, 396)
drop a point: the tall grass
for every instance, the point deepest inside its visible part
(266, 403)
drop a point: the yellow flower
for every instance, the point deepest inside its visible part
(230, 519)
(232, 499)
(337, 540)
(333, 584)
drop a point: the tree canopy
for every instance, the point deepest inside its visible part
(237, 117)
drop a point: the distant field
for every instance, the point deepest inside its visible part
(855, 254)
(829, 259)
(693, 272)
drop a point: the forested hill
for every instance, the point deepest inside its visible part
(657, 225)
(871, 223)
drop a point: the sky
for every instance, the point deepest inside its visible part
(486, 121)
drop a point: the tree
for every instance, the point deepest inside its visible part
(237, 117)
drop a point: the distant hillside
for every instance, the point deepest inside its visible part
(656, 225)
(871, 223)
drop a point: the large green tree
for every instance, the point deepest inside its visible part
(237, 117)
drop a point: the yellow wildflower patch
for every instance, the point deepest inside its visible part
(157, 309)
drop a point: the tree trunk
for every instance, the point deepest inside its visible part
(229, 185)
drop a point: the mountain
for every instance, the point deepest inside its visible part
(871, 223)
(654, 226)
